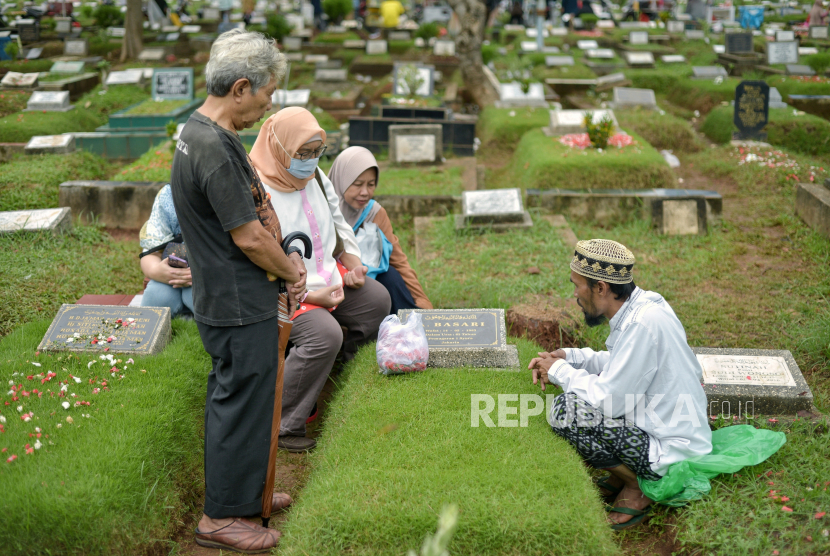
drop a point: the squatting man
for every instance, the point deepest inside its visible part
(637, 408)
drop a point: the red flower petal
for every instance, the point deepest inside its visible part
(819, 515)
(786, 509)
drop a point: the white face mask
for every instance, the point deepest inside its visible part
(300, 169)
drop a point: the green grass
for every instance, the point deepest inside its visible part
(32, 181)
(151, 106)
(498, 129)
(118, 481)
(39, 271)
(662, 131)
(91, 111)
(13, 101)
(543, 162)
(154, 165)
(396, 449)
(27, 66)
(804, 134)
(673, 82)
(336, 38)
(432, 180)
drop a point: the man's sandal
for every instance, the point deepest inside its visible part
(280, 501)
(639, 516)
(603, 483)
(240, 536)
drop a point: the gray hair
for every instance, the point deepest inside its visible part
(237, 55)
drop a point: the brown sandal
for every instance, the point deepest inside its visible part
(280, 501)
(240, 536)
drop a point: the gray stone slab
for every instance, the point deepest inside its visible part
(294, 56)
(492, 206)
(426, 74)
(625, 97)
(56, 220)
(297, 97)
(675, 27)
(76, 47)
(610, 79)
(415, 143)
(467, 338)
(191, 29)
(639, 58)
(354, 43)
(799, 69)
(126, 77)
(50, 101)
(563, 122)
(399, 36)
(172, 83)
(444, 48)
(708, 72)
(695, 34)
(377, 47)
(331, 75)
(292, 43)
(812, 204)
(633, 25)
(152, 54)
(34, 53)
(819, 32)
(600, 53)
(512, 96)
(807, 50)
(316, 58)
(528, 46)
(638, 37)
(587, 45)
(781, 36)
(14, 79)
(738, 43)
(142, 330)
(67, 67)
(114, 204)
(679, 217)
(557, 61)
(51, 144)
(673, 59)
(775, 99)
(118, 32)
(762, 381)
(782, 52)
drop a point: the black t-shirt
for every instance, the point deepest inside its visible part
(211, 183)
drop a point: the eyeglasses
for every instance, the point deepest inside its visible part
(312, 154)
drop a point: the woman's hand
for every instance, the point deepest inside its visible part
(297, 290)
(356, 278)
(327, 297)
(158, 269)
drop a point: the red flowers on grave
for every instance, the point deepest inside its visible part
(11, 458)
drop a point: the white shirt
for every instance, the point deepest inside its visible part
(649, 375)
(316, 215)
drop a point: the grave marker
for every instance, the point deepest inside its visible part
(76, 47)
(426, 73)
(528, 46)
(679, 217)
(399, 36)
(673, 59)
(28, 30)
(783, 36)
(738, 43)
(356, 44)
(34, 53)
(695, 34)
(708, 72)
(49, 101)
(67, 67)
(555, 61)
(719, 49)
(211, 14)
(753, 382)
(782, 52)
(126, 77)
(173, 84)
(444, 48)
(466, 338)
(751, 109)
(600, 53)
(511, 95)
(675, 26)
(605, 24)
(493, 206)
(117, 32)
(627, 97)
(559, 32)
(418, 143)
(331, 75)
(639, 58)
(376, 47)
(799, 69)
(151, 54)
(638, 37)
(146, 334)
(775, 99)
(563, 122)
(807, 50)
(292, 43)
(63, 25)
(587, 45)
(316, 58)
(57, 220)
(297, 97)
(820, 33)
(191, 29)
(19, 80)
(51, 144)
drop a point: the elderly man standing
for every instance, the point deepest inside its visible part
(223, 212)
(639, 407)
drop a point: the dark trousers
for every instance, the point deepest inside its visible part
(238, 412)
(398, 292)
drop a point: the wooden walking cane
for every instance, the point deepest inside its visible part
(285, 326)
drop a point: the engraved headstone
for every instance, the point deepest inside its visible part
(416, 143)
(775, 99)
(117, 32)
(63, 25)
(57, 220)
(22, 80)
(559, 32)
(528, 46)
(807, 50)
(555, 61)
(151, 54)
(673, 59)
(331, 75)
(191, 29)
(126, 77)
(292, 43)
(638, 37)
(751, 109)
(695, 34)
(799, 69)
(781, 36)
(639, 58)
(492, 206)
(511, 95)
(708, 72)
(605, 24)
(76, 47)
(601, 53)
(49, 101)
(297, 97)
(675, 26)
(340, 29)
(51, 144)
(399, 36)
(28, 30)
(626, 97)
(782, 52)
(67, 67)
(587, 45)
(119, 330)
(679, 217)
(34, 53)
(633, 25)
(563, 122)
(753, 382)
(354, 43)
(426, 74)
(719, 49)
(376, 47)
(173, 83)
(738, 43)
(316, 58)
(820, 33)
(466, 338)
(444, 48)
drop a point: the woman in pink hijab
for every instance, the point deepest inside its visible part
(285, 155)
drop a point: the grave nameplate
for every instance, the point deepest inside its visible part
(28, 30)
(170, 37)
(316, 58)
(67, 67)
(57, 220)
(783, 36)
(633, 25)
(639, 58)
(173, 83)
(331, 75)
(22, 80)
(211, 14)
(292, 43)
(738, 43)
(50, 101)
(133, 330)
(799, 69)
(605, 24)
(511, 95)
(63, 25)
(673, 59)
(807, 50)
(601, 53)
(151, 54)
(191, 29)
(169, 29)
(340, 29)
(417, 143)
(466, 338)
(532, 33)
(708, 72)
(399, 36)
(356, 44)
(126, 77)
(820, 33)
(554, 61)
(426, 73)
(679, 217)
(626, 96)
(50, 144)
(775, 99)
(528, 46)
(750, 382)
(751, 109)
(782, 52)
(76, 47)
(494, 206)
(695, 34)
(610, 79)
(559, 32)
(34, 53)
(719, 48)
(587, 45)
(117, 32)
(444, 48)
(297, 97)
(563, 122)
(675, 26)
(638, 37)
(376, 47)
(294, 56)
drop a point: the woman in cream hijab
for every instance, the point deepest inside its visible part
(285, 155)
(355, 177)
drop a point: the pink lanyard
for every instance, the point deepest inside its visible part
(316, 240)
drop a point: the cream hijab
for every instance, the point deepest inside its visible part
(292, 128)
(348, 165)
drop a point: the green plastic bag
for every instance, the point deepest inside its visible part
(733, 448)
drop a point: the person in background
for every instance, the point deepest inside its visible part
(247, 11)
(168, 286)
(818, 15)
(391, 11)
(355, 176)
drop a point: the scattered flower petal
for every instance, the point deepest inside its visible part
(65, 405)
(786, 509)
(819, 515)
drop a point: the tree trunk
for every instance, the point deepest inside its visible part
(471, 15)
(133, 42)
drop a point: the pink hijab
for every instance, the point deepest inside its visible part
(348, 165)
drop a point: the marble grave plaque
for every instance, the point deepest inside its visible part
(399, 36)
(782, 52)
(50, 144)
(292, 43)
(638, 37)
(173, 83)
(820, 33)
(34, 53)
(675, 26)
(708, 72)
(316, 58)
(67, 67)
(377, 47)
(673, 59)
(297, 97)
(426, 73)
(492, 206)
(627, 96)
(563, 122)
(555, 61)
(639, 58)
(356, 44)
(56, 220)
(587, 45)
(331, 75)
(528, 46)
(799, 69)
(415, 143)
(444, 48)
(782, 36)
(738, 43)
(126, 77)
(807, 50)
(152, 54)
(50, 101)
(22, 80)
(695, 34)
(600, 53)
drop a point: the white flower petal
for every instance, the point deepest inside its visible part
(77, 380)
(35, 364)
(38, 445)
(64, 387)
(90, 364)
(2, 419)
(65, 405)
(77, 335)
(19, 408)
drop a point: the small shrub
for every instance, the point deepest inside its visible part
(819, 62)
(411, 77)
(108, 16)
(12, 49)
(427, 30)
(599, 133)
(276, 26)
(86, 11)
(337, 9)
(589, 20)
(488, 53)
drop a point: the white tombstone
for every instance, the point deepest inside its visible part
(781, 36)
(563, 122)
(316, 58)
(807, 50)
(673, 59)
(695, 34)
(292, 43)
(587, 45)
(625, 97)
(331, 75)
(527, 46)
(443, 48)
(555, 61)
(375, 47)
(49, 101)
(151, 54)
(782, 52)
(638, 37)
(76, 47)
(600, 53)
(512, 96)
(355, 43)
(21, 80)
(50, 144)
(719, 48)
(55, 219)
(639, 58)
(126, 77)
